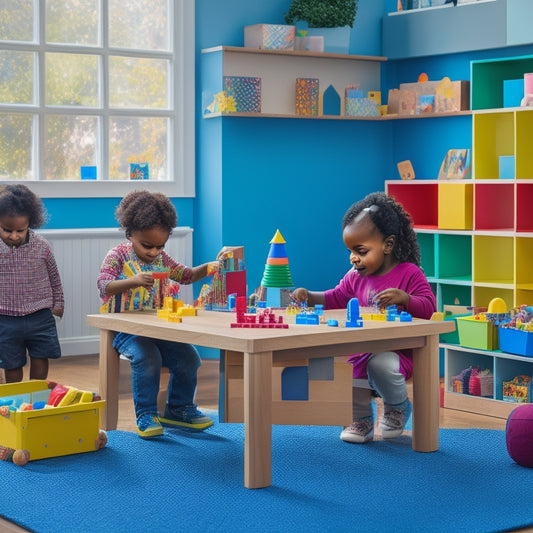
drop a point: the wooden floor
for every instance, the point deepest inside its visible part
(82, 372)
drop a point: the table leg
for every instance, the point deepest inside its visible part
(109, 377)
(257, 420)
(426, 396)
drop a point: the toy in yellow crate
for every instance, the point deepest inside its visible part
(31, 428)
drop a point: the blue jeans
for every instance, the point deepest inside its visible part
(146, 357)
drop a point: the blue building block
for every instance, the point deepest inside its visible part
(332, 322)
(353, 318)
(319, 309)
(309, 319)
(405, 317)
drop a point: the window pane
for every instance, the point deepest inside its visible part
(71, 22)
(16, 146)
(138, 83)
(138, 140)
(16, 20)
(139, 24)
(72, 79)
(70, 143)
(16, 77)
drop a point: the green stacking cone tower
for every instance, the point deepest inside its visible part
(277, 273)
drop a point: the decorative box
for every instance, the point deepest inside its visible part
(269, 36)
(361, 107)
(244, 92)
(459, 101)
(307, 96)
(518, 390)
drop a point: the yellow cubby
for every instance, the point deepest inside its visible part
(493, 136)
(493, 260)
(455, 210)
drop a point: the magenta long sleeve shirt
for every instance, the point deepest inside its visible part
(405, 276)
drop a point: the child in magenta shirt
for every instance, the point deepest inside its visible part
(385, 256)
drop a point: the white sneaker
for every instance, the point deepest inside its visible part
(394, 420)
(359, 432)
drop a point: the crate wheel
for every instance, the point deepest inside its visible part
(101, 441)
(21, 457)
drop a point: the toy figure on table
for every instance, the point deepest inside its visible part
(385, 272)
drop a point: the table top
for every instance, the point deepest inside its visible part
(212, 329)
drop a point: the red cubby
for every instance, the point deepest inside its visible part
(419, 200)
(524, 210)
(494, 206)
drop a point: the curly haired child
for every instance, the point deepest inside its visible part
(148, 220)
(31, 293)
(385, 259)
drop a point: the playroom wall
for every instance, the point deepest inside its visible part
(257, 175)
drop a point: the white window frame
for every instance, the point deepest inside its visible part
(181, 146)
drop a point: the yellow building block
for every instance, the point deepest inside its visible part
(163, 313)
(174, 317)
(186, 310)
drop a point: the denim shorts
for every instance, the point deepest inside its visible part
(34, 335)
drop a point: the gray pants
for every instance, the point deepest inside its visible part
(384, 377)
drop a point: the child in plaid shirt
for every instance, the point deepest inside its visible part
(31, 293)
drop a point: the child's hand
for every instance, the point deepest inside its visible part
(212, 267)
(300, 295)
(143, 279)
(392, 297)
(57, 312)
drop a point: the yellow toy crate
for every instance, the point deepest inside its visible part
(49, 432)
(475, 333)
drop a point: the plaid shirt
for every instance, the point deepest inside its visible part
(29, 278)
(113, 268)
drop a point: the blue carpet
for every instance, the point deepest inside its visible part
(194, 482)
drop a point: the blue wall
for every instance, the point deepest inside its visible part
(298, 176)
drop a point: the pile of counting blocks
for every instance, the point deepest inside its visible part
(261, 319)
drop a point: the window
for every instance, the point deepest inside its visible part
(96, 94)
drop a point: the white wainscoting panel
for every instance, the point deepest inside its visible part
(79, 254)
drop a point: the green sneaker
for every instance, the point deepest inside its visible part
(148, 425)
(187, 416)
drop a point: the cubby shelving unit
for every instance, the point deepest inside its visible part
(476, 235)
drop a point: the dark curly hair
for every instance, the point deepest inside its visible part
(143, 210)
(17, 200)
(390, 218)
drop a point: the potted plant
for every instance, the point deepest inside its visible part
(323, 13)
(332, 19)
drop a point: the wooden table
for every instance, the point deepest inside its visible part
(261, 348)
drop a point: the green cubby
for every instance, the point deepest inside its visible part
(426, 241)
(454, 257)
(487, 77)
(453, 294)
